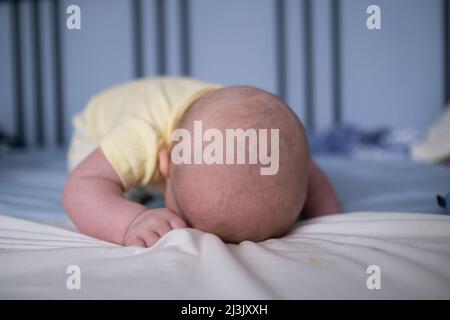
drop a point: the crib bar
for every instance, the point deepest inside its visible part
(308, 64)
(185, 37)
(17, 67)
(446, 45)
(280, 47)
(137, 35)
(37, 81)
(160, 37)
(336, 52)
(58, 75)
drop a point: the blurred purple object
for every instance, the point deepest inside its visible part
(351, 141)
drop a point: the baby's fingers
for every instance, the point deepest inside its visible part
(163, 228)
(135, 241)
(150, 238)
(177, 223)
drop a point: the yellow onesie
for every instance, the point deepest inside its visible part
(131, 122)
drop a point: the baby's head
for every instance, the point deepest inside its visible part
(235, 201)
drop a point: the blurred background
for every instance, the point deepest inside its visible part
(363, 94)
(318, 55)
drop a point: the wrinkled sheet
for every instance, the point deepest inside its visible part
(321, 258)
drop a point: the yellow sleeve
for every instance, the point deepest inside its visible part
(132, 150)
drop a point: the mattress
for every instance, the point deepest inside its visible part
(392, 222)
(31, 183)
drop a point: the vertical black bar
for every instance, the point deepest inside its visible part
(309, 64)
(37, 85)
(185, 38)
(17, 67)
(137, 38)
(446, 32)
(336, 54)
(160, 37)
(281, 47)
(57, 76)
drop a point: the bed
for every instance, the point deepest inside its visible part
(391, 221)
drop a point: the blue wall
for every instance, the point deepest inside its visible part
(388, 77)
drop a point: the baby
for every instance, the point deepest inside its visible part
(124, 140)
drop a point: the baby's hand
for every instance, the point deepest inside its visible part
(151, 225)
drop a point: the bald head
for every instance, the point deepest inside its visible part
(235, 201)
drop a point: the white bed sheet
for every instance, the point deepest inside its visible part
(322, 258)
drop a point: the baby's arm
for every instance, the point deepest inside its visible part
(93, 197)
(321, 198)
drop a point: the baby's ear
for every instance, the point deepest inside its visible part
(164, 162)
